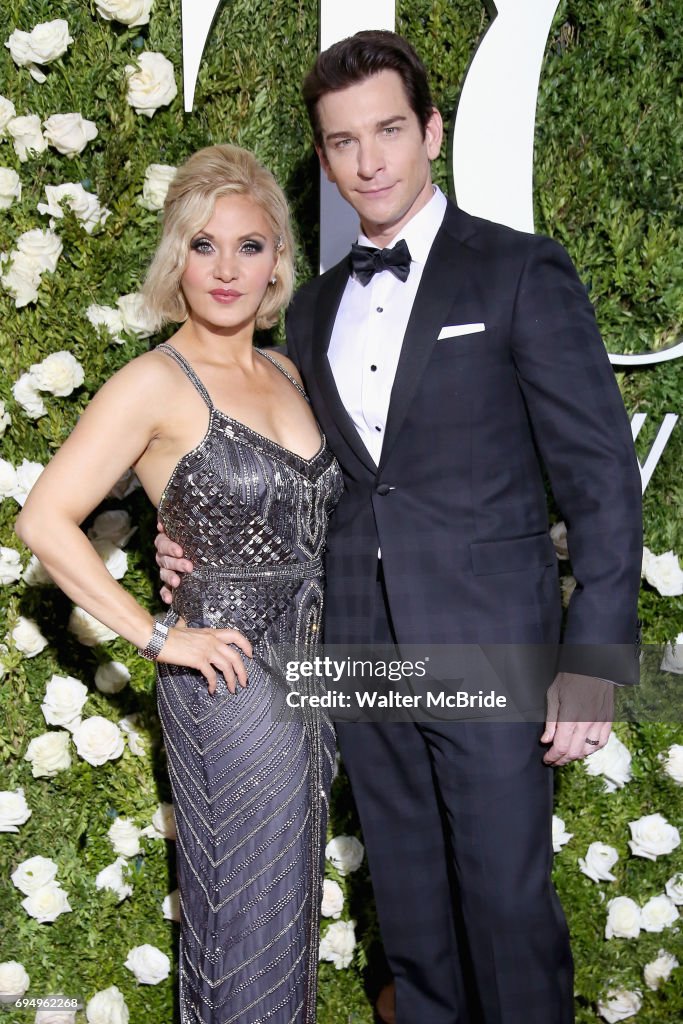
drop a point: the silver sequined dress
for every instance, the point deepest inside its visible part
(250, 781)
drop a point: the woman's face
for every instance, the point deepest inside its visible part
(230, 264)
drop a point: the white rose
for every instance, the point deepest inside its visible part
(85, 205)
(163, 822)
(7, 113)
(112, 677)
(155, 186)
(5, 418)
(87, 629)
(333, 899)
(152, 84)
(10, 187)
(27, 135)
(113, 526)
(567, 586)
(619, 1004)
(59, 373)
(115, 560)
(598, 860)
(613, 762)
(42, 245)
(674, 889)
(27, 474)
(652, 836)
(107, 317)
(673, 763)
(111, 878)
(26, 392)
(14, 981)
(171, 906)
(124, 836)
(35, 573)
(560, 835)
(623, 918)
(136, 741)
(98, 740)
(22, 280)
(338, 943)
(345, 853)
(659, 970)
(10, 565)
(43, 44)
(49, 754)
(673, 656)
(128, 12)
(148, 964)
(8, 479)
(28, 638)
(32, 874)
(658, 913)
(107, 1007)
(134, 315)
(663, 572)
(56, 1016)
(125, 485)
(558, 535)
(69, 133)
(63, 701)
(13, 810)
(47, 903)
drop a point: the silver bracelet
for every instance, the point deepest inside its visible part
(157, 640)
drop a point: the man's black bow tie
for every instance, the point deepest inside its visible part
(365, 262)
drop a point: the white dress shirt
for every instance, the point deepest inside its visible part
(370, 326)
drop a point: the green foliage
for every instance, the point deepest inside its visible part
(608, 179)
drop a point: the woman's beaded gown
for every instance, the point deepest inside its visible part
(250, 778)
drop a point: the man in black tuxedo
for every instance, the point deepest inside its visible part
(450, 369)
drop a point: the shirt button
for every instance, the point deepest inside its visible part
(380, 309)
(373, 367)
(378, 429)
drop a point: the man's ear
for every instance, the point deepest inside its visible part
(434, 134)
(324, 163)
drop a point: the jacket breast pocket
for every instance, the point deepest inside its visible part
(514, 554)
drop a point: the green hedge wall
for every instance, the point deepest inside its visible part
(608, 179)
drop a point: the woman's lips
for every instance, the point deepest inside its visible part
(225, 295)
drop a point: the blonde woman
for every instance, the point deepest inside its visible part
(225, 445)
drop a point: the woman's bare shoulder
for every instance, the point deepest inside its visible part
(285, 362)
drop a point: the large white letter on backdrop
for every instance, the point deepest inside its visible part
(338, 220)
(197, 19)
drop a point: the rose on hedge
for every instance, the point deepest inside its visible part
(10, 187)
(127, 12)
(333, 899)
(149, 965)
(619, 1004)
(124, 837)
(112, 677)
(10, 565)
(170, 906)
(28, 638)
(115, 560)
(107, 1007)
(14, 810)
(658, 913)
(114, 526)
(69, 133)
(35, 574)
(600, 857)
(111, 878)
(345, 853)
(14, 980)
(25, 390)
(673, 656)
(59, 373)
(63, 702)
(673, 763)
(652, 836)
(84, 205)
(21, 280)
(663, 572)
(32, 874)
(27, 135)
(338, 943)
(7, 113)
(155, 186)
(87, 629)
(107, 317)
(623, 918)
(659, 970)
(674, 889)
(560, 835)
(43, 44)
(49, 754)
(8, 479)
(47, 903)
(613, 762)
(98, 740)
(5, 418)
(152, 84)
(134, 315)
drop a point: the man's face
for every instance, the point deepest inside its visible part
(374, 151)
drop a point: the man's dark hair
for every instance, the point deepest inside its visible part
(352, 60)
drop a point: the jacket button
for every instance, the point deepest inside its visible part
(384, 489)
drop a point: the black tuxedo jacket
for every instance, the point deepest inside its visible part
(458, 502)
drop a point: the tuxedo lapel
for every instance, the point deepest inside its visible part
(443, 276)
(327, 304)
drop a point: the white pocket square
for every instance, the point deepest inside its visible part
(459, 329)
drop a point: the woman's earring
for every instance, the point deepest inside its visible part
(273, 280)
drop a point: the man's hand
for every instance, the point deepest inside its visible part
(579, 717)
(171, 562)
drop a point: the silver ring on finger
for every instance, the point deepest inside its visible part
(593, 743)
